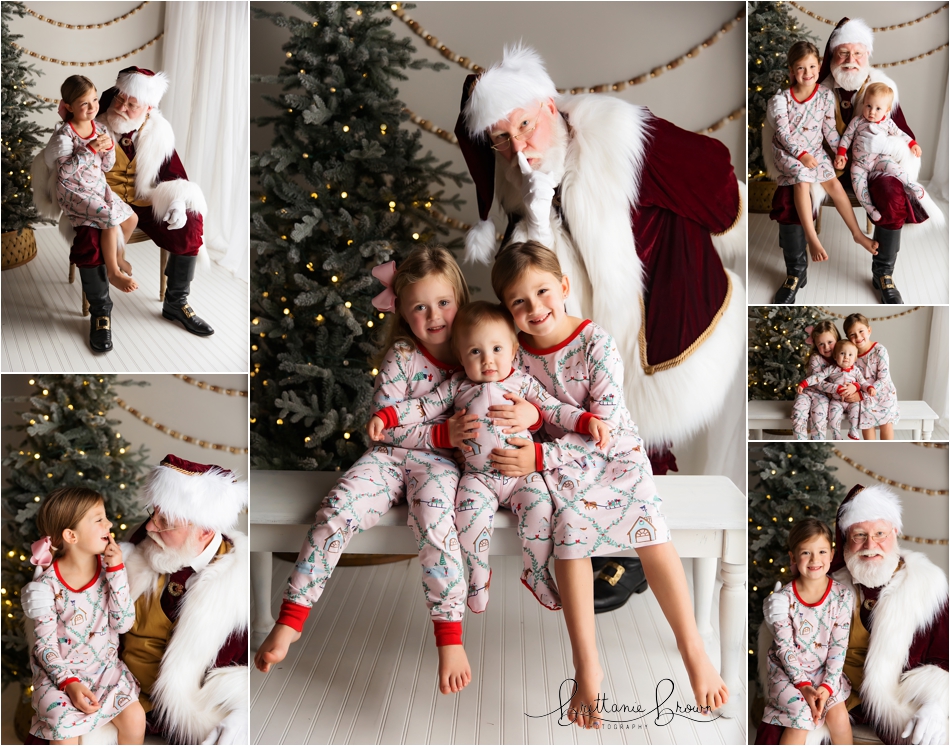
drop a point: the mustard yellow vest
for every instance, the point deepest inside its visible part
(121, 179)
(858, 642)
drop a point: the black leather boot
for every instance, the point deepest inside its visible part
(791, 238)
(616, 579)
(180, 271)
(882, 264)
(95, 284)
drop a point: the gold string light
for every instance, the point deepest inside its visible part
(209, 386)
(886, 480)
(918, 540)
(65, 63)
(876, 29)
(878, 318)
(177, 435)
(80, 27)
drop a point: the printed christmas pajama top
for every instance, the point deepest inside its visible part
(800, 127)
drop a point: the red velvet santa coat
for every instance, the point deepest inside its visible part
(641, 205)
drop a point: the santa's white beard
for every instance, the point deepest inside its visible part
(166, 560)
(120, 125)
(850, 77)
(872, 574)
(551, 161)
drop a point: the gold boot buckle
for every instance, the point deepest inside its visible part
(612, 578)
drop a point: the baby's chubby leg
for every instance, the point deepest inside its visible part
(131, 724)
(475, 507)
(532, 505)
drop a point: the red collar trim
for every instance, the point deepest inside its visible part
(559, 346)
(847, 370)
(873, 345)
(87, 585)
(509, 374)
(880, 120)
(438, 363)
(791, 92)
(817, 603)
(80, 136)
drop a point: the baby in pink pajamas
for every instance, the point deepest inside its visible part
(875, 118)
(485, 341)
(833, 380)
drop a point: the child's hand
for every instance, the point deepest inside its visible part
(518, 416)
(515, 462)
(915, 149)
(462, 426)
(600, 430)
(822, 700)
(840, 162)
(811, 697)
(871, 391)
(113, 554)
(375, 428)
(848, 390)
(808, 160)
(103, 142)
(81, 697)
(799, 389)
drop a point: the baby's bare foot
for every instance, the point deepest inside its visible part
(867, 242)
(708, 687)
(817, 251)
(275, 646)
(454, 671)
(582, 710)
(122, 281)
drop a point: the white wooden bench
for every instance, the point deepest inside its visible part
(706, 515)
(777, 415)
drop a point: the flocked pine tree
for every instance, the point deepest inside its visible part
(772, 30)
(21, 137)
(789, 481)
(70, 442)
(343, 188)
(779, 345)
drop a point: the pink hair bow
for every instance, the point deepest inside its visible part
(386, 300)
(42, 556)
(62, 110)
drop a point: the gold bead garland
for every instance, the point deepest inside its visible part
(929, 444)
(918, 540)
(875, 30)
(60, 24)
(913, 59)
(885, 480)
(878, 318)
(65, 63)
(209, 386)
(177, 435)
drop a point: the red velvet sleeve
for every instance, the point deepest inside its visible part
(897, 114)
(234, 652)
(172, 169)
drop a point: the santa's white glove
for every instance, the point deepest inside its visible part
(37, 600)
(59, 146)
(233, 729)
(881, 142)
(537, 193)
(176, 217)
(775, 608)
(929, 725)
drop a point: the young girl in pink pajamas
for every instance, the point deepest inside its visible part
(832, 382)
(79, 681)
(485, 341)
(82, 152)
(881, 411)
(811, 406)
(803, 115)
(605, 500)
(806, 661)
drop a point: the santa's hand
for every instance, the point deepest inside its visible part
(929, 725)
(775, 608)
(233, 729)
(880, 142)
(176, 217)
(37, 600)
(537, 193)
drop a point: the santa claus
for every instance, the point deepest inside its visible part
(897, 649)
(846, 70)
(188, 571)
(148, 175)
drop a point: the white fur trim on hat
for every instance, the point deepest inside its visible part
(855, 31)
(517, 82)
(146, 89)
(876, 503)
(480, 243)
(212, 500)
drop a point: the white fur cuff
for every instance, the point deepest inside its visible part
(177, 189)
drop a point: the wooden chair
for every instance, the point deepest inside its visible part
(138, 236)
(827, 202)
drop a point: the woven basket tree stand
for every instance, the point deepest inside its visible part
(19, 247)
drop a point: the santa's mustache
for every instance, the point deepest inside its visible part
(869, 553)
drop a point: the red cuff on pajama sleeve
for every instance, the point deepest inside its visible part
(440, 435)
(447, 633)
(293, 615)
(799, 156)
(583, 423)
(911, 144)
(537, 425)
(842, 151)
(830, 690)
(70, 680)
(388, 416)
(804, 384)
(113, 569)
(538, 457)
(803, 684)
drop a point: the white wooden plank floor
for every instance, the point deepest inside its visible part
(921, 274)
(364, 670)
(44, 330)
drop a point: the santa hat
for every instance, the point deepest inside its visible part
(143, 85)
(848, 31)
(518, 81)
(876, 503)
(204, 495)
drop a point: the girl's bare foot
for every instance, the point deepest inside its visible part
(454, 671)
(123, 264)
(817, 251)
(275, 646)
(867, 242)
(122, 281)
(582, 710)
(708, 687)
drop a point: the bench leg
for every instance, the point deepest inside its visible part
(928, 430)
(918, 433)
(704, 585)
(262, 569)
(732, 621)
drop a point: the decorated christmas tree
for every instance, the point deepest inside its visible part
(70, 442)
(779, 346)
(772, 30)
(21, 137)
(343, 188)
(789, 481)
